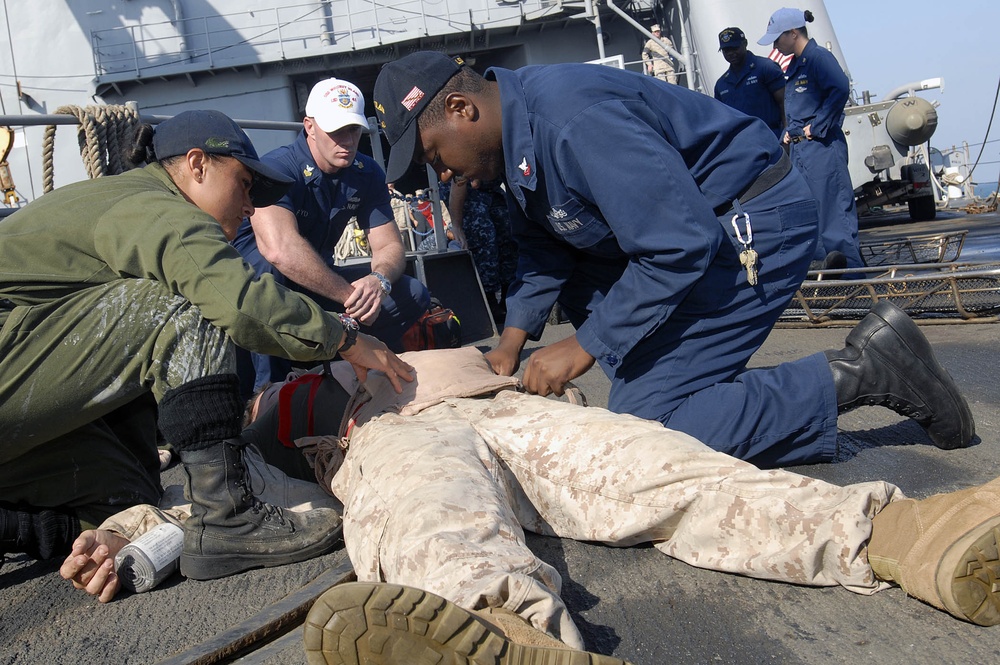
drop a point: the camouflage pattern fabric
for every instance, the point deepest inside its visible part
(486, 224)
(657, 56)
(438, 499)
(440, 481)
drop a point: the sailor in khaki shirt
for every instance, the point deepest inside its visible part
(656, 60)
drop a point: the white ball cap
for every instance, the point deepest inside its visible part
(334, 104)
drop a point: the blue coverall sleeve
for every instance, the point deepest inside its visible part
(296, 191)
(615, 156)
(773, 77)
(834, 90)
(543, 266)
(376, 204)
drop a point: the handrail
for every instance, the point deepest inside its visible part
(290, 31)
(68, 119)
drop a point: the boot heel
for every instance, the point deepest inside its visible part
(195, 567)
(901, 323)
(363, 622)
(971, 585)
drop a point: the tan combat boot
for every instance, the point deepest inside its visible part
(943, 550)
(363, 622)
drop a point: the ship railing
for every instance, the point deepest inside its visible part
(287, 31)
(929, 292)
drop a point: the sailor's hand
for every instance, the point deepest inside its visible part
(91, 563)
(504, 362)
(365, 301)
(506, 358)
(370, 353)
(807, 132)
(550, 369)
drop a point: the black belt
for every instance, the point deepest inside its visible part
(771, 176)
(796, 139)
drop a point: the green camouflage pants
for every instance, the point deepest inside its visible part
(79, 381)
(437, 500)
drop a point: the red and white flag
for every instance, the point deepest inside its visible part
(782, 60)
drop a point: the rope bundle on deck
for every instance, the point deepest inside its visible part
(105, 134)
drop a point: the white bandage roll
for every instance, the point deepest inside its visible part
(151, 558)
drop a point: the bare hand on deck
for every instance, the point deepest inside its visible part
(91, 563)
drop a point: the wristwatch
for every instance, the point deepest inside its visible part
(351, 329)
(384, 282)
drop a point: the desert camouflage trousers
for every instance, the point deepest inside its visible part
(438, 500)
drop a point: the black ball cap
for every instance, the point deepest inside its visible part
(218, 134)
(402, 91)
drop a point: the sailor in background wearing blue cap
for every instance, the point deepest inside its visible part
(815, 94)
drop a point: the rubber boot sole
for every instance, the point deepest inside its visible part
(369, 623)
(909, 334)
(969, 576)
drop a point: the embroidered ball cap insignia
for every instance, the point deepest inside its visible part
(218, 134)
(783, 20)
(334, 104)
(731, 38)
(402, 91)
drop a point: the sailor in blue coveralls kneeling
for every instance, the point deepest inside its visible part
(672, 276)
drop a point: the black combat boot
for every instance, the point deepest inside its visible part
(230, 530)
(888, 362)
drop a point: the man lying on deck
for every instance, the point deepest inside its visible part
(439, 481)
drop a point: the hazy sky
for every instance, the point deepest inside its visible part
(888, 43)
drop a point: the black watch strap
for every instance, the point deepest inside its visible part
(351, 329)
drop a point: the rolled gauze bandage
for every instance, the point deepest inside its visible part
(151, 558)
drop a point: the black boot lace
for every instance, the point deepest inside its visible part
(257, 506)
